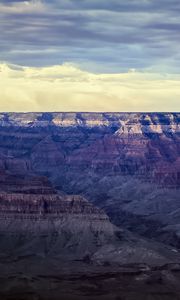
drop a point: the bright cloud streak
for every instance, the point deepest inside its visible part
(68, 88)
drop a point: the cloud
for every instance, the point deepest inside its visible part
(104, 40)
(118, 5)
(20, 7)
(68, 88)
(101, 35)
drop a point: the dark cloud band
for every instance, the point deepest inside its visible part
(100, 34)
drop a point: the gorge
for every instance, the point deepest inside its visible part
(90, 192)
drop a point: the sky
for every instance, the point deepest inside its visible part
(89, 55)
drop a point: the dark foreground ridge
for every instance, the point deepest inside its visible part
(89, 206)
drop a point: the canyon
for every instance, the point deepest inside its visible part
(126, 163)
(94, 193)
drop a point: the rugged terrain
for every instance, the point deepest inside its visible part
(126, 163)
(35, 219)
(53, 244)
(94, 194)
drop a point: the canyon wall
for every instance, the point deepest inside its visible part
(126, 163)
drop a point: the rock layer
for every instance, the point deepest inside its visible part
(126, 163)
(37, 220)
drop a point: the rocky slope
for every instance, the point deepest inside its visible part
(42, 279)
(35, 219)
(126, 163)
(55, 243)
(38, 221)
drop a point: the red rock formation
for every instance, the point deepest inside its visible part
(125, 162)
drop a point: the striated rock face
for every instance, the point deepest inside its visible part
(43, 205)
(126, 163)
(39, 221)
(145, 145)
(134, 122)
(35, 219)
(22, 185)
